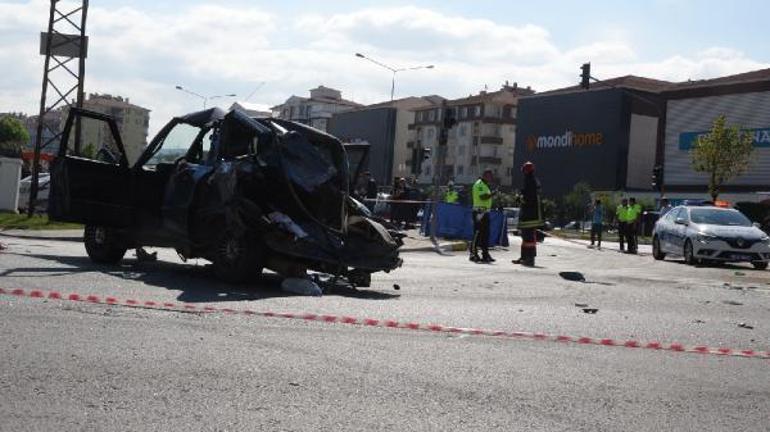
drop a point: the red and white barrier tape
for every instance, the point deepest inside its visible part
(370, 322)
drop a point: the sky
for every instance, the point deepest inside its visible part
(142, 49)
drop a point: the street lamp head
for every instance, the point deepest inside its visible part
(179, 87)
(429, 67)
(360, 55)
(231, 95)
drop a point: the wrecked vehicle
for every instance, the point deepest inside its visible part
(244, 193)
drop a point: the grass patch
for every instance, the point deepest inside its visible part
(36, 222)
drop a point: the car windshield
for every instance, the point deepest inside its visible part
(718, 217)
(177, 143)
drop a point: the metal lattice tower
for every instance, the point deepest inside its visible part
(63, 43)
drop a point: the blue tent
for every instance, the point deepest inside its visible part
(455, 222)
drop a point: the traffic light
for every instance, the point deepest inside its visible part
(657, 177)
(585, 76)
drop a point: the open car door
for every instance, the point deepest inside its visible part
(358, 160)
(89, 188)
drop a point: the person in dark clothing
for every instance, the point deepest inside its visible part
(397, 210)
(370, 192)
(530, 216)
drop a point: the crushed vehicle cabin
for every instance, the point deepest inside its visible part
(244, 193)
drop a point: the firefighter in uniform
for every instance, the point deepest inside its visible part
(530, 216)
(482, 203)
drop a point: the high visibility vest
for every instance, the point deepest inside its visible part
(480, 188)
(451, 197)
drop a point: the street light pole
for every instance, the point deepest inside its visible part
(204, 98)
(393, 70)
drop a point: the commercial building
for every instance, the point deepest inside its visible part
(316, 110)
(612, 135)
(605, 136)
(691, 108)
(483, 138)
(385, 127)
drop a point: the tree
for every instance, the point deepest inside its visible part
(13, 136)
(576, 202)
(723, 154)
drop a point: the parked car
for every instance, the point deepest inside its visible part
(710, 234)
(246, 194)
(577, 226)
(25, 185)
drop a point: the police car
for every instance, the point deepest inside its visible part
(710, 234)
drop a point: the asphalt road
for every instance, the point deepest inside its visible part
(79, 366)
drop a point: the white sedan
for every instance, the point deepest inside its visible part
(710, 234)
(25, 186)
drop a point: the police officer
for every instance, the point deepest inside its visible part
(620, 217)
(451, 196)
(530, 216)
(482, 203)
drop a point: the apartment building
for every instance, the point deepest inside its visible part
(316, 110)
(483, 138)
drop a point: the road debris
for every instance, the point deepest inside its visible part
(732, 303)
(396, 287)
(590, 311)
(573, 276)
(746, 326)
(581, 305)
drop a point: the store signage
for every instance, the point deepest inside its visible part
(569, 139)
(687, 139)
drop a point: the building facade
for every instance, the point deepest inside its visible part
(316, 110)
(483, 138)
(691, 108)
(385, 127)
(606, 136)
(612, 135)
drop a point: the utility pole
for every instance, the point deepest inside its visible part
(64, 42)
(448, 121)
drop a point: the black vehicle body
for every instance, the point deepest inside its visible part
(268, 194)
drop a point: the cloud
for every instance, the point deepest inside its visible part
(220, 48)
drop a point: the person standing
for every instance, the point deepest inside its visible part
(597, 223)
(451, 196)
(620, 218)
(634, 222)
(530, 216)
(482, 203)
(665, 207)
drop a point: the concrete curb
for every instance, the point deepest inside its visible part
(65, 235)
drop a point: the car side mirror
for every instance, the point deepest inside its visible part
(757, 225)
(681, 221)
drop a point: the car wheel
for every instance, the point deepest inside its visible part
(760, 265)
(657, 253)
(689, 254)
(236, 258)
(103, 245)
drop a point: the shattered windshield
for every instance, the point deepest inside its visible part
(177, 143)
